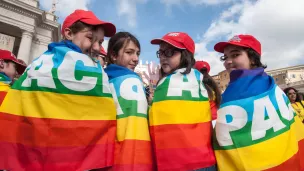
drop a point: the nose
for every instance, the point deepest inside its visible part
(135, 58)
(95, 47)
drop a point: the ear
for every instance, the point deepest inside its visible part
(1, 63)
(114, 56)
(68, 34)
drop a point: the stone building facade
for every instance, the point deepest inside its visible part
(284, 77)
(25, 29)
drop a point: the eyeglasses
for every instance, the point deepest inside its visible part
(232, 56)
(168, 52)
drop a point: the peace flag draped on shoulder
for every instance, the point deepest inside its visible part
(180, 123)
(4, 86)
(133, 147)
(59, 116)
(256, 128)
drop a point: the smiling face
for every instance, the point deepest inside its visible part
(127, 56)
(235, 57)
(292, 95)
(169, 57)
(83, 38)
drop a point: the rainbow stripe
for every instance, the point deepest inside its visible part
(180, 123)
(257, 132)
(60, 115)
(133, 146)
(3, 91)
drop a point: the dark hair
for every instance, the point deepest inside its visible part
(79, 26)
(254, 57)
(187, 61)
(211, 87)
(119, 41)
(286, 90)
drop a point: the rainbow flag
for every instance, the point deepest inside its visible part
(180, 123)
(256, 128)
(133, 146)
(4, 86)
(59, 116)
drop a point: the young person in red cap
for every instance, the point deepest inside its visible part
(214, 93)
(61, 112)
(256, 128)
(133, 149)
(180, 117)
(10, 67)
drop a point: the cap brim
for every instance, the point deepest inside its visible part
(109, 28)
(219, 47)
(171, 42)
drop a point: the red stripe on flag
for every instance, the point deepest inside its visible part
(133, 155)
(20, 157)
(183, 146)
(38, 132)
(2, 96)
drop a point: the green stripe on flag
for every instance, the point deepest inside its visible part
(60, 88)
(242, 138)
(161, 92)
(129, 108)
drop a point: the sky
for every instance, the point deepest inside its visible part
(277, 24)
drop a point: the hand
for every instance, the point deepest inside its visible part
(153, 73)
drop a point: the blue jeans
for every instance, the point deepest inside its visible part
(211, 168)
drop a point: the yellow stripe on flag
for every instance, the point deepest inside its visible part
(132, 128)
(300, 128)
(278, 149)
(180, 112)
(4, 87)
(58, 106)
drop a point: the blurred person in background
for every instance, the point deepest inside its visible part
(10, 68)
(296, 101)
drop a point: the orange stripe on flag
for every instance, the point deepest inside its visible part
(39, 132)
(133, 155)
(183, 146)
(182, 135)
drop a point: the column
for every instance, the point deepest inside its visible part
(25, 46)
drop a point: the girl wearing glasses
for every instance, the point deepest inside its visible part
(133, 146)
(180, 117)
(256, 128)
(296, 102)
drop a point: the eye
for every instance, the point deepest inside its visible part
(235, 55)
(138, 53)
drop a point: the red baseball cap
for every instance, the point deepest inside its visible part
(103, 52)
(240, 40)
(179, 40)
(202, 64)
(88, 17)
(7, 55)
